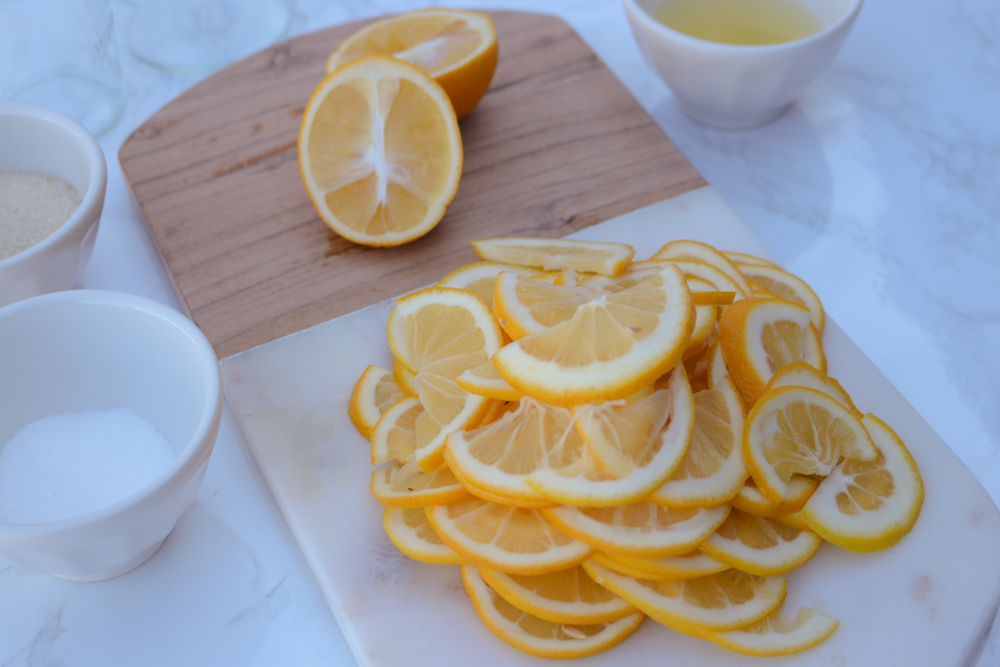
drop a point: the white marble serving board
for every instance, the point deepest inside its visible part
(930, 600)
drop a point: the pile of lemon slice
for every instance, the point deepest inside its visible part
(595, 440)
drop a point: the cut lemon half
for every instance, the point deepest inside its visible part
(776, 635)
(640, 530)
(509, 539)
(642, 459)
(690, 565)
(759, 336)
(374, 392)
(394, 436)
(712, 471)
(538, 637)
(869, 506)
(485, 380)
(695, 250)
(797, 430)
(556, 254)
(759, 545)
(437, 333)
(787, 286)
(380, 151)
(723, 601)
(479, 277)
(410, 531)
(455, 47)
(565, 596)
(409, 485)
(611, 347)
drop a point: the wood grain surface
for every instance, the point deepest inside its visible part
(556, 145)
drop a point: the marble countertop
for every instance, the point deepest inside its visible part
(879, 187)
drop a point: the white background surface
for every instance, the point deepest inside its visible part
(879, 187)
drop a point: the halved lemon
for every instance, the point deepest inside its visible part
(509, 539)
(380, 151)
(723, 601)
(437, 333)
(776, 635)
(564, 596)
(611, 347)
(409, 530)
(557, 254)
(538, 637)
(869, 506)
(374, 392)
(797, 430)
(759, 336)
(455, 47)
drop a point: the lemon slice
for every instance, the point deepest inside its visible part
(409, 530)
(776, 635)
(690, 565)
(611, 347)
(565, 596)
(539, 637)
(437, 333)
(380, 151)
(510, 539)
(712, 471)
(394, 436)
(405, 380)
(409, 485)
(787, 286)
(694, 250)
(723, 601)
(797, 430)
(869, 506)
(524, 306)
(743, 258)
(751, 500)
(641, 530)
(758, 545)
(759, 336)
(479, 277)
(374, 392)
(485, 380)
(644, 458)
(455, 47)
(493, 497)
(557, 254)
(693, 268)
(801, 374)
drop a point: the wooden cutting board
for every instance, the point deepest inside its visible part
(556, 145)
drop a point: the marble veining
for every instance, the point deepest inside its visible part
(878, 186)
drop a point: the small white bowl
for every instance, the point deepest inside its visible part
(39, 139)
(735, 87)
(95, 350)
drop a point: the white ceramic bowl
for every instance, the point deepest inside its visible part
(736, 87)
(38, 139)
(95, 350)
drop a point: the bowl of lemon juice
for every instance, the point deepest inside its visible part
(738, 64)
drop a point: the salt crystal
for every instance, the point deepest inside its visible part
(68, 465)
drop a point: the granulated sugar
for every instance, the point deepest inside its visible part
(68, 465)
(32, 206)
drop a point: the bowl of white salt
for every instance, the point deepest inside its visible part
(52, 183)
(109, 410)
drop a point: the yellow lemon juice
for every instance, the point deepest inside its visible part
(744, 22)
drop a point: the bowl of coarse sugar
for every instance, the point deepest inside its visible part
(109, 411)
(53, 178)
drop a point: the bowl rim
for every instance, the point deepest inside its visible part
(91, 201)
(635, 12)
(198, 448)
